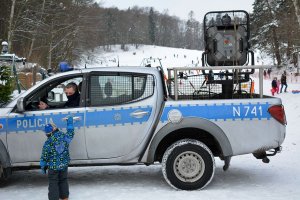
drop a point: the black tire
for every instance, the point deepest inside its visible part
(5, 173)
(188, 165)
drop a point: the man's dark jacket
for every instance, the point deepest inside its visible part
(73, 100)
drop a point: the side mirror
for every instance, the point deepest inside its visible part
(50, 96)
(20, 105)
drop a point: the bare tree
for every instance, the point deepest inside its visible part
(10, 25)
(274, 33)
(50, 31)
(35, 32)
(297, 10)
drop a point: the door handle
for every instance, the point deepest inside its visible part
(74, 118)
(139, 113)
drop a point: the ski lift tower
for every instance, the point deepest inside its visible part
(11, 58)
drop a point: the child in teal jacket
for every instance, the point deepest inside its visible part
(55, 158)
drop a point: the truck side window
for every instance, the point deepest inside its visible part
(119, 89)
(52, 94)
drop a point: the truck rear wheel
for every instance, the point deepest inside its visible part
(188, 165)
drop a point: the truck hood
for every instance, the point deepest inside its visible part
(4, 112)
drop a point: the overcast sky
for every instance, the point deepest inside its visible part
(181, 8)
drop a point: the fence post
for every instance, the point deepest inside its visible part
(175, 85)
(34, 70)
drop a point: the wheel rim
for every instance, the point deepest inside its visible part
(189, 166)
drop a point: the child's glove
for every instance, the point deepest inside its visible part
(70, 122)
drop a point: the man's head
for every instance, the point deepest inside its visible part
(70, 89)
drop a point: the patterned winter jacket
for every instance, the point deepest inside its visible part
(55, 153)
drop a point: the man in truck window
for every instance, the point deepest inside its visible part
(71, 90)
(72, 93)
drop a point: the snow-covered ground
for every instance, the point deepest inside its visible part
(246, 179)
(145, 54)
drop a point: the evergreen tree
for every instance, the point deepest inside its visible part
(193, 33)
(6, 86)
(275, 29)
(289, 29)
(152, 26)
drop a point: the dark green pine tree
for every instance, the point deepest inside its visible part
(6, 86)
(264, 29)
(152, 26)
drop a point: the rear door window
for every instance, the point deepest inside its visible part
(120, 88)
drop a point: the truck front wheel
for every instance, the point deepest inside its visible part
(4, 173)
(188, 165)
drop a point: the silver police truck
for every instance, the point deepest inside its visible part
(132, 115)
(137, 119)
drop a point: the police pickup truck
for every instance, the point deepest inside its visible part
(132, 115)
(127, 116)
